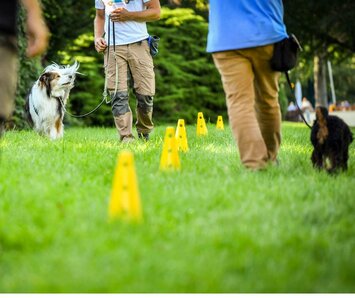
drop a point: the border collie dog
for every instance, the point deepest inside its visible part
(331, 138)
(45, 104)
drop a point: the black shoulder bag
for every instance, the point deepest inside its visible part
(285, 54)
(285, 58)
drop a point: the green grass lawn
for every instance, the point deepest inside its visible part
(212, 227)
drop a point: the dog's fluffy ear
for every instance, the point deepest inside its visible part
(75, 66)
(45, 81)
(72, 69)
(321, 112)
(321, 116)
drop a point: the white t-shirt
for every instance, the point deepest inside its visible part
(125, 32)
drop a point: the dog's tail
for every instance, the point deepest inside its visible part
(321, 116)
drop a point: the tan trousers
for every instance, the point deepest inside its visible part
(135, 58)
(126, 61)
(251, 88)
(8, 80)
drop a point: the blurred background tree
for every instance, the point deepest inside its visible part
(327, 31)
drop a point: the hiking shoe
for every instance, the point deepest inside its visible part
(143, 136)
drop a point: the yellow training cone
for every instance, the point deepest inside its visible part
(181, 137)
(170, 155)
(125, 199)
(220, 124)
(201, 129)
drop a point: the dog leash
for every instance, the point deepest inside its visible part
(109, 32)
(292, 87)
(83, 115)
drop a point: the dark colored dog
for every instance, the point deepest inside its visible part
(330, 137)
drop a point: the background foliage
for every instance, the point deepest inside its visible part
(187, 80)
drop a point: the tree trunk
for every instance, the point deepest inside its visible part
(320, 80)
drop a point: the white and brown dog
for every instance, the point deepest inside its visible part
(47, 98)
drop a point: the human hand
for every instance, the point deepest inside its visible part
(38, 35)
(100, 44)
(120, 15)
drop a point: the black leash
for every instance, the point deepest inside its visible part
(113, 37)
(292, 87)
(79, 116)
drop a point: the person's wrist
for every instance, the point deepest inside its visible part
(130, 16)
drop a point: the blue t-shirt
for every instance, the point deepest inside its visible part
(241, 24)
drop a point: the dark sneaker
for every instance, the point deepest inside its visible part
(143, 136)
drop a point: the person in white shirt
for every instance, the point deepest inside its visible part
(121, 33)
(306, 108)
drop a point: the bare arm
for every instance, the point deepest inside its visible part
(99, 29)
(152, 13)
(37, 30)
(99, 23)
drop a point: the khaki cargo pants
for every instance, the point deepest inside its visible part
(8, 80)
(126, 63)
(251, 88)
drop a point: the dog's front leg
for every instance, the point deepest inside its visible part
(53, 135)
(56, 131)
(317, 159)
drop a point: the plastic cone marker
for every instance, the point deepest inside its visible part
(125, 199)
(220, 124)
(181, 137)
(170, 156)
(201, 129)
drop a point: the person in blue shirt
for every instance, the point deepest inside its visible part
(241, 39)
